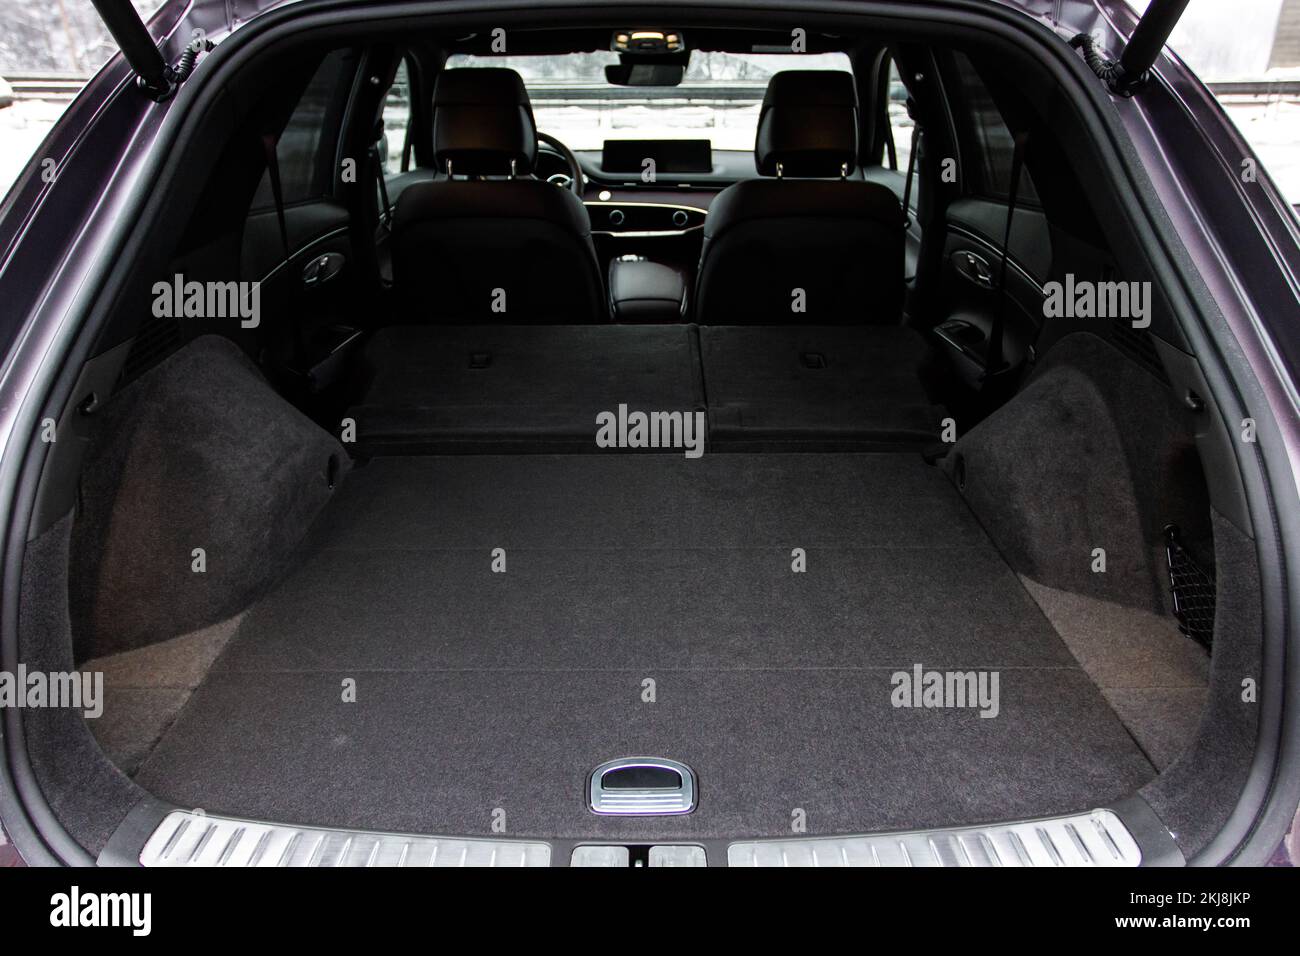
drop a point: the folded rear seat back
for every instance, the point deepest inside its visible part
(506, 389)
(518, 388)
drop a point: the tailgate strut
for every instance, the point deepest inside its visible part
(154, 75)
(1130, 72)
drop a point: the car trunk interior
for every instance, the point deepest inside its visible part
(409, 640)
(406, 583)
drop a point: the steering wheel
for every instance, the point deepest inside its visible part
(575, 171)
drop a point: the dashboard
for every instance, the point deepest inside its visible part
(641, 219)
(621, 204)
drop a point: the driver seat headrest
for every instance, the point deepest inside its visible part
(808, 123)
(482, 120)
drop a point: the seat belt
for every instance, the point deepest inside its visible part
(269, 143)
(911, 164)
(384, 189)
(386, 215)
(407, 149)
(993, 355)
(911, 171)
(890, 149)
(268, 147)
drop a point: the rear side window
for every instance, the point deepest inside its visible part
(305, 152)
(396, 154)
(900, 124)
(989, 145)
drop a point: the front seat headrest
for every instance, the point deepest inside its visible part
(481, 121)
(808, 123)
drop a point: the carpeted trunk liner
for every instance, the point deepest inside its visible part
(478, 690)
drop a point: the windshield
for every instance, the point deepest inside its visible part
(717, 100)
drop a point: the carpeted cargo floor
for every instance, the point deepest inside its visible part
(478, 691)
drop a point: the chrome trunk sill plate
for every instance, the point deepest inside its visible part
(185, 838)
(1085, 839)
(600, 856)
(659, 855)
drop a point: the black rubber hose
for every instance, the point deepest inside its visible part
(1109, 71)
(1098, 62)
(185, 65)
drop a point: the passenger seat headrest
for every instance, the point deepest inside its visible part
(482, 120)
(808, 123)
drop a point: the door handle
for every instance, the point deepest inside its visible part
(322, 268)
(974, 267)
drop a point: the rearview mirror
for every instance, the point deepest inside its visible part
(645, 74)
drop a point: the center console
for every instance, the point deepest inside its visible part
(643, 291)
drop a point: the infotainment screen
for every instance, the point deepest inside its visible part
(669, 155)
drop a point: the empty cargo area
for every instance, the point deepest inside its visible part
(831, 442)
(641, 606)
(295, 627)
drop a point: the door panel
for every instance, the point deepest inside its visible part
(306, 224)
(970, 300)
(312, 289)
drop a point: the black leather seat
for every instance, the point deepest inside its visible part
(510, 250)
(840, 242)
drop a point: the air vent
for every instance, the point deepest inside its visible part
(1137, 345)
(157, 339)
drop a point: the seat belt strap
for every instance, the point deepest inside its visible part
(911, 172)
(269, 142)
(386, 212)
(890, 149)
(993, 356)
(407, 149)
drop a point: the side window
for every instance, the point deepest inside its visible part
(395, 152)
(900, 124)
(989, 140)
(305, 151)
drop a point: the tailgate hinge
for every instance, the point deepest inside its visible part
(1127, 75)
(154, 75)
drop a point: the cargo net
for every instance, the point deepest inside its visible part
(1193, 591)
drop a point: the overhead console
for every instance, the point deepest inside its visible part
(647, 57)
